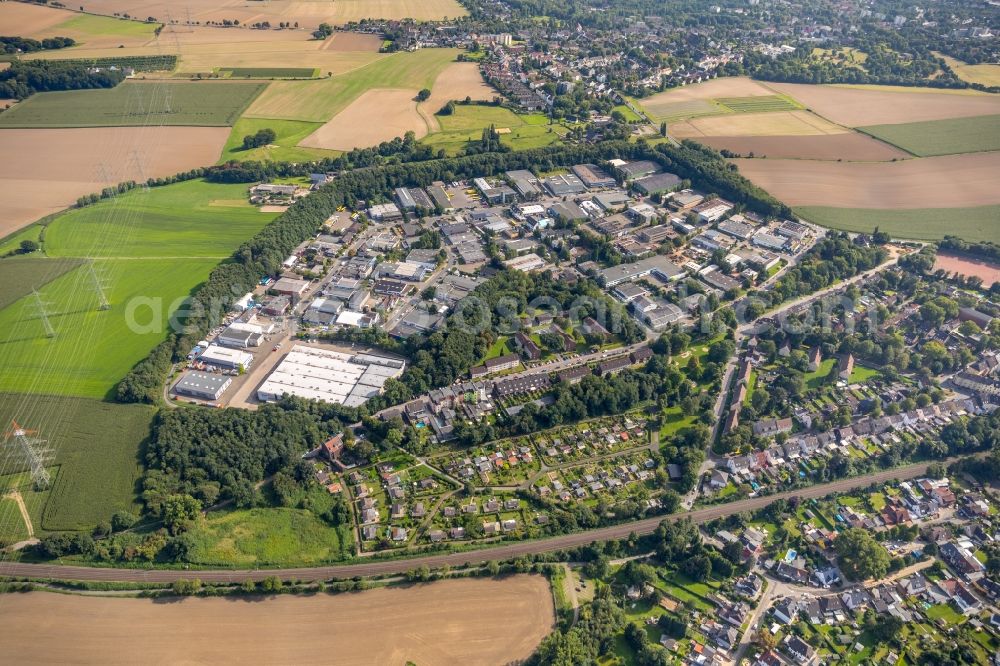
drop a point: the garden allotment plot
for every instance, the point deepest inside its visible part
(149, 249)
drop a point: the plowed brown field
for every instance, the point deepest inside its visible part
(48, 169)
(473, 621)
(851, 147)
(933, 182)
(858, 107)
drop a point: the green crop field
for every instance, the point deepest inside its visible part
(758, 104)
(152, 249)
(19, 275)
(96, 465)
(467, 123)
(321, 100)
(981, 223)
(270, 72)
(93, 349)
(685, 110)
(284, 148)
(192, 219)
(133, 103)
(941, 137)
(259, 537)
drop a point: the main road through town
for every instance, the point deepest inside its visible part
(473, 557)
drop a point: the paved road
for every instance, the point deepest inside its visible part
(398, 566)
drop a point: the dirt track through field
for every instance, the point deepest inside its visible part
(474, 621)
(851, 147)
(56, 166)
(858, 107)
(953, 181)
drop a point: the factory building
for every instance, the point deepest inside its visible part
(330, 376)
(202, 385)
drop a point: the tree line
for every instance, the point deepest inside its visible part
(29, 45)
(26, 77)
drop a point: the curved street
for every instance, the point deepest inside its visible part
(479, 556)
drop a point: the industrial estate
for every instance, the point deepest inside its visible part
(604, 332)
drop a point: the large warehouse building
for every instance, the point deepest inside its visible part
(203, 385)
(319, 374)
(221, 357)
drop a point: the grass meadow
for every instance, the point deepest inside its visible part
(941, 137)
(259, 537)
(980, 223)
(19, 275)
(133, 103)
(192, 219)
(467, 123)
(285, 147)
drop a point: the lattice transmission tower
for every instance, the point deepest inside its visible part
(34, 451)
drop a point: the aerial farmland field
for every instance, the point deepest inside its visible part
(933, 182)
(851, 146)
(980, 223)
(153, 248)
(19, 275)
(96, 462)
(942, 137)
(284, 148)
(192, 220)
(319, 101)
(775, 123)
(857, 106)
(59, 165)
(307, 12)
(134, 103)
(436, 623)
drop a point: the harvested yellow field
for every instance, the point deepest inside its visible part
(27, 20)
(376, 116)
(859, 106)
(308, 13)
(57, 166)
(203, 50)
(776, 123)
(733, 86)
(473, 621)
(353, 41)
(953, 181)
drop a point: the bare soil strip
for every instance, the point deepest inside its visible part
(472, 621)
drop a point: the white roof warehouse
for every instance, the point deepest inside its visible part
(330, 376)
